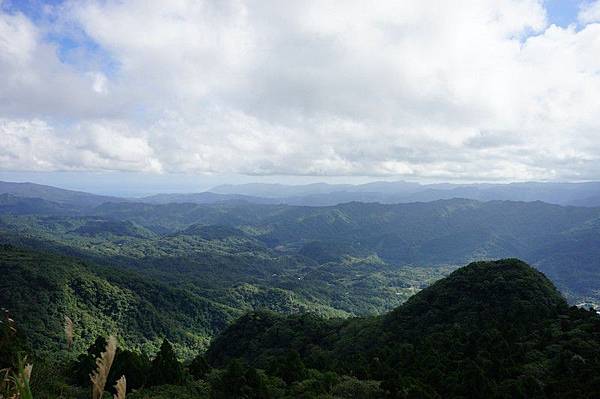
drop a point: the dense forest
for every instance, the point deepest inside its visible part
(563, 242)
(185, 301)
(489, 330)
(348, 301)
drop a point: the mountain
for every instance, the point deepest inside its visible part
(213, 232)
(106, 274)
(322, 194)
(56, 195)
(342, 280)
(204, 198)
(488, 330)
(13, 205)
(559, 240)
(97, 227)
(503, 295)
(279, 190)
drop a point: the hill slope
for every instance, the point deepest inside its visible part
(434, 233)
(189, 286)
(491, 329)
(54, 194)
(40, 288)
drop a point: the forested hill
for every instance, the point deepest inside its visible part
(75, 199)
(489, 330)
(188, 297)
(563, 242)
(184, 272)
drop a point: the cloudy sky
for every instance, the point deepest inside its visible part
(466, 90)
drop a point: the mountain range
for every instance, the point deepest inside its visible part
(323, 194)
(354, 297)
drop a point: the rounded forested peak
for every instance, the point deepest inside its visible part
(506, 293)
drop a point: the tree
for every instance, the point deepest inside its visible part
(133, 366)
(242, 382)
(291, 368)
(166, 369)
(86, 362)
(199, 367)
(231, 383)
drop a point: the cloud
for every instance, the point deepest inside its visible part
(589, 12)
(35, 145)
(34, 81)
(475, 90)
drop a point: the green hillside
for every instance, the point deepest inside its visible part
(489, 330)
(39, 289)
(560, 241)
(187, 299)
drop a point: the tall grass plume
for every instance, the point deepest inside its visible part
(103, 364)
(121, 388)
(69, 332)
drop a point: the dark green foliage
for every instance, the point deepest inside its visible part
(94, 228)
(503, 294)
(188, 391)
(289, 367)
(165, 369)
(40, 288)
(12, 341)
(86, 363)
(185, 271)
(196, 297)
(199, 367)
(561, 241)
(239, 381)
(489, 330)
(327, 251)
(134, 366)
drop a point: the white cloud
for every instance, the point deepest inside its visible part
(589, 12)
(477, 89)
(99, 145)
(35, 83)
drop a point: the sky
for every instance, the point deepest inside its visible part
(152, 95)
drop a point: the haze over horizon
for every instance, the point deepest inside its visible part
(132, 184)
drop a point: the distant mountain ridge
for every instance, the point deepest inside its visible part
(323, 194)
(55, 194)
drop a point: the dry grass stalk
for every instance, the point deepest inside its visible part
(27, 372)
(121, 388)
(103, 363)
(69, 332)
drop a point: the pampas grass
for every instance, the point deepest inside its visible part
(121, 388)
(20, 380)
(103, 364)
(69, 332)
(27, 372)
